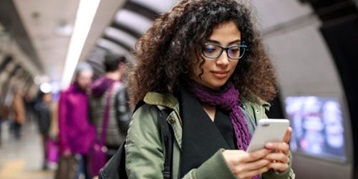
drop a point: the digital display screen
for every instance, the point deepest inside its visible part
(317, 124)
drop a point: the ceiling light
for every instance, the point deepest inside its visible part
(64, 29)
(84, 18)
(45, 87)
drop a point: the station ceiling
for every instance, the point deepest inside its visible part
(42, 29)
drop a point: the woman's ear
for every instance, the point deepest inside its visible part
(121, 67)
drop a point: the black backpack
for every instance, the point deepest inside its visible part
(115, 168)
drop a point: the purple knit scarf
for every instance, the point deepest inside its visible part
(227, 99)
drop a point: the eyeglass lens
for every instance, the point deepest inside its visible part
(214, 51)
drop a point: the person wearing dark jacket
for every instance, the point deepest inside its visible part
(44, 113)
(111, 87)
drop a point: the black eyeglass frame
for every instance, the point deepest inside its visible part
(243, 46)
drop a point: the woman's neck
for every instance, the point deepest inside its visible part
(210, 111)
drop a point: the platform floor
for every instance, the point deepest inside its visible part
(22, 159)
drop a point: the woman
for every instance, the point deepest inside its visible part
(203, 60)
(18, 112)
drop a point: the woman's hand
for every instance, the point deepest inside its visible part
(280, 153)
(247, 165)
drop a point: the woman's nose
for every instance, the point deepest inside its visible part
(223, 59)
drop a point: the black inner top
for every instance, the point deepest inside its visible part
(201, 136)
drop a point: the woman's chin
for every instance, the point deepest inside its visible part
(215, 86)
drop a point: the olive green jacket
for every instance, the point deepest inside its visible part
(144, 149)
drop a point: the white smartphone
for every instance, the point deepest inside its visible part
(268, 130)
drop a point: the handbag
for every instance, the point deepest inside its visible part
(53, 152)
(115, 168)
(98, 154)
(67, 168)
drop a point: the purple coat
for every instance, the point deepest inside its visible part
(76, 133)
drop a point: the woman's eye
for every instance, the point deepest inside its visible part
(235, 50)
(210, 49)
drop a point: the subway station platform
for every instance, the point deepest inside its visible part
(22, 159)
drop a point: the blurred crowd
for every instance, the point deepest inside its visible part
(87, 122)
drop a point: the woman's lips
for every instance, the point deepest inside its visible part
(220, 74)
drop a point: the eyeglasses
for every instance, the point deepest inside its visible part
(214, 51)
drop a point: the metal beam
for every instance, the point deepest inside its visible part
(126, 29)
(140, 9)
(12, 22)
(3, 65)
(128, 48)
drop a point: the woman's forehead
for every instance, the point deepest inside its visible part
(225, 33)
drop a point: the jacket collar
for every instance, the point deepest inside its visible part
(251, 98)
(164, 100)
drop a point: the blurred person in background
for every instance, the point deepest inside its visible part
(29, 102)
(110, 87)
(7, 101)
(54, 121)
(18, 112)
(76, 133)
(2, 113)
(44, 113)
(53, 144)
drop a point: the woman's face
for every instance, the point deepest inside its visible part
(214, 73)
(47, 97)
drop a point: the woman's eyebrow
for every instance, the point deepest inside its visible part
(213, 41)
(230, 43)
(234, 42)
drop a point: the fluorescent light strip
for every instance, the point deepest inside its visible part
(84, 18)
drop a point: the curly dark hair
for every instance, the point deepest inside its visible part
(165, 52)
(111, 62)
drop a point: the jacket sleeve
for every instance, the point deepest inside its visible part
(214, 167)
(123, 111)
(144, 151)
(62, 113)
